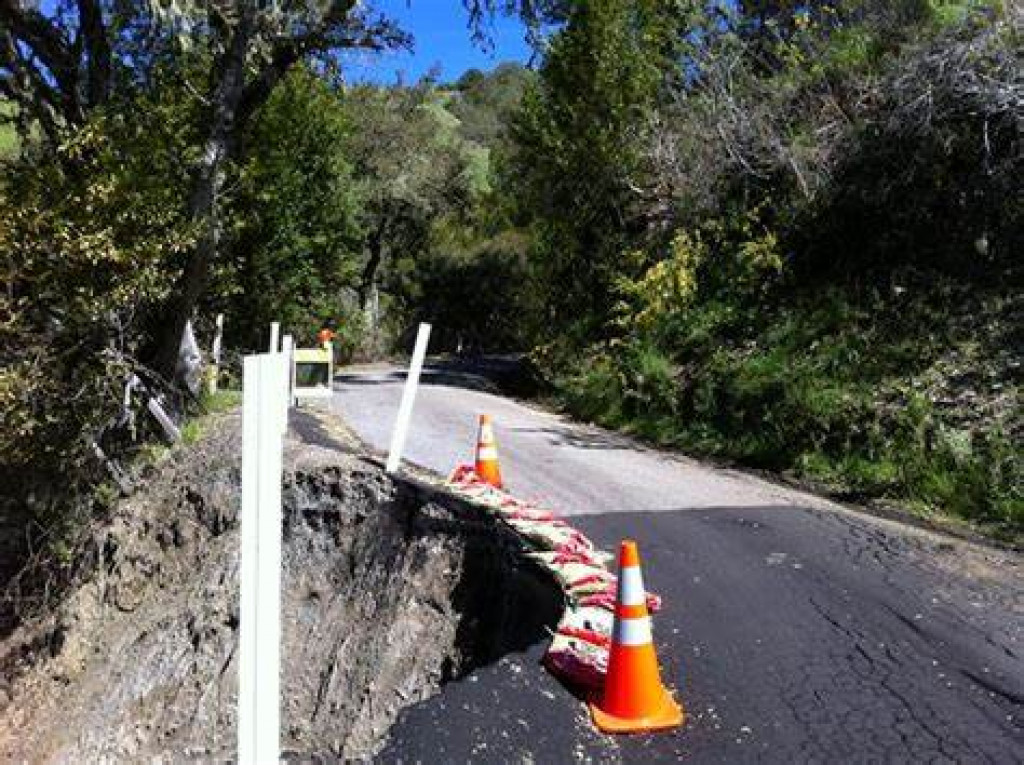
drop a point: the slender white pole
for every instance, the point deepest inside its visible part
(218, 338)
(247, 566)
(287, 348)
(268, 574)
(275, 334)
(408, 398)
(259, 660)
(330, 367)
(213, 373)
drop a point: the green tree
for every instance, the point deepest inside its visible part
(576, 151)
(88, 241)
(413, 168)
(62, 65)
(295, 220)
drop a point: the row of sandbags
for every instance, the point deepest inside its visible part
(579, 650)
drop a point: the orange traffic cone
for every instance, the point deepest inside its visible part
(487, 453)
(634, 699)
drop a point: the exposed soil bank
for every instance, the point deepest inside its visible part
(390, 589)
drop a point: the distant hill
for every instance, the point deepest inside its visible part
(484, 101)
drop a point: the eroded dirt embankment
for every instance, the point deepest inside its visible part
(389, 590)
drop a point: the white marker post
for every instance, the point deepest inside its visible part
(275, 334)
(408, 397)
(215, 352)
(218, 339)
(259, 652)
(287, 348)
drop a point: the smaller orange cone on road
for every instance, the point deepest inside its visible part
(487, 453)
(633, 700)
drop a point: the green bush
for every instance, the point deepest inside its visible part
(822, 391)
(595, 392)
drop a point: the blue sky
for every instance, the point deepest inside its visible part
(441, 38)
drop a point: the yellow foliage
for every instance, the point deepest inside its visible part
(666, 287)
(761, 255)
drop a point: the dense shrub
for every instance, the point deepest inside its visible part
(831, 389)
(826, 276)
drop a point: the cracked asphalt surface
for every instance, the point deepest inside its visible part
(795, 630)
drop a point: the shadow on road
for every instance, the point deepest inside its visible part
(572, 436)
(507, 375)
(430, 376)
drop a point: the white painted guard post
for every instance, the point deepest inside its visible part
(408, 397)
(275, 333)
(288, 348)
(213, 374)
(265, 384)
(218, 339)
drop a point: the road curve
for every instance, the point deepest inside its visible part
(795, 630)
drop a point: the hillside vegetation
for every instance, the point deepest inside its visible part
(799, 250)
(787, 234)
(8, 135)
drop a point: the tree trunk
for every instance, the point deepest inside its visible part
(375, 252)
(204, 200)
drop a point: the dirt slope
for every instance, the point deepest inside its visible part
(389, 591)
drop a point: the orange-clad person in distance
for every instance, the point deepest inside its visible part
(324, 336)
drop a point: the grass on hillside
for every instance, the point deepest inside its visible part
(911, 397)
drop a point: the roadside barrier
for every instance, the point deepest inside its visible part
(580, 648)
(487, 453)
(633, 699)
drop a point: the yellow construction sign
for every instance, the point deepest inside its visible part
(313, 372)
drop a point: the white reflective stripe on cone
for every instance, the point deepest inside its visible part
(487, 453)
(631, 587)
(632, 631)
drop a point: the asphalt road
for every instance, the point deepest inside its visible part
(793, 629)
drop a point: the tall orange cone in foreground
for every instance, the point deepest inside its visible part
(634, 700)
(487, 453)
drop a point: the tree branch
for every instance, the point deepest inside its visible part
(52, 66)
(325, 36)
(97, 46)
(26, 86)
(44, 39)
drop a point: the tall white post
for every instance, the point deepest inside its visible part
(247, 565)
(408, 398)
(214, 371)
(330, 365)
(259, 660)
(275, 334)
(268, 574)
(287, 348)
(218, 339)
